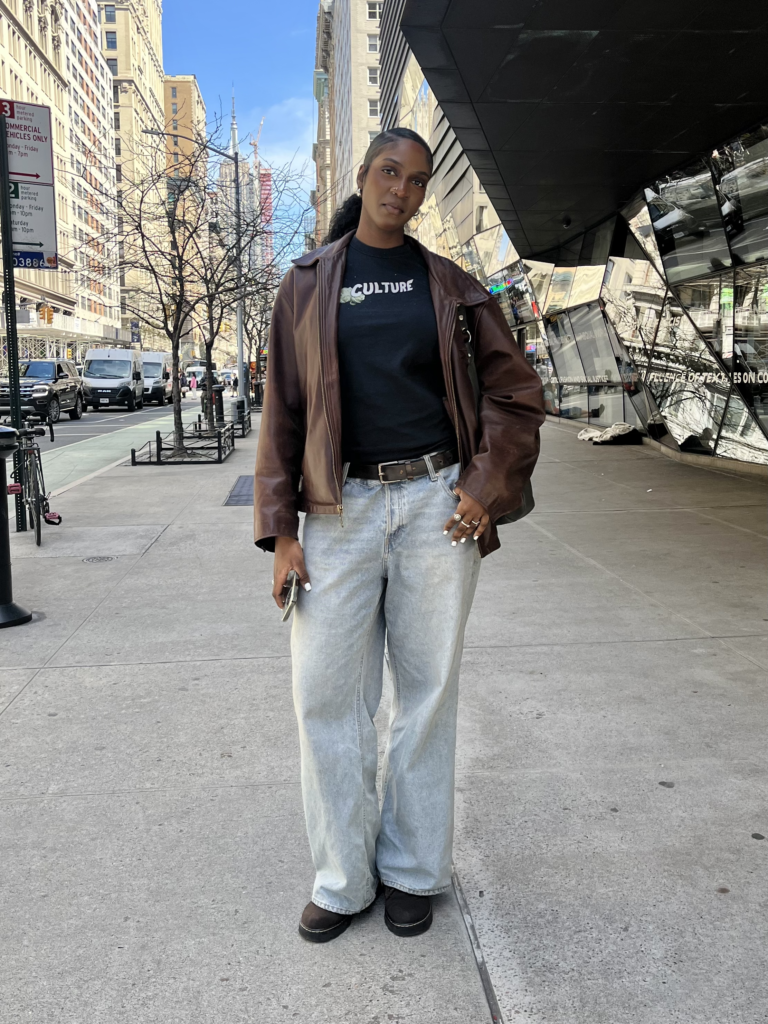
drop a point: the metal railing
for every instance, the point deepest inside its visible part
(198, 445)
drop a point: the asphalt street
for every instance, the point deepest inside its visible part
(107, 421)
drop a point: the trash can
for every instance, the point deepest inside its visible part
(218, 405)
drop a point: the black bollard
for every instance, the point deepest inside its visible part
(10, 613)
(218, 404)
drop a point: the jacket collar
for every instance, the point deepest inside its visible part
(453, 281)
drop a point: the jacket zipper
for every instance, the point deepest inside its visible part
(452, 394)
(320, 286)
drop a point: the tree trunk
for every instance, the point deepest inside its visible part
(178, 427)
(209, 376)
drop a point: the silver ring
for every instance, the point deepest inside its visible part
(465, 524)
(475, 522)
(456, 516)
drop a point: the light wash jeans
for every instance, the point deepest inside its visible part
(386, 573)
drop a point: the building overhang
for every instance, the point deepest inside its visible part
(566, 109)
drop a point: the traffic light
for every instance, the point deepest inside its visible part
(45, 314)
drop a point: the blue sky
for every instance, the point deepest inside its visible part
(266, 50)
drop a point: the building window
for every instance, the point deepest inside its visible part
(373, 76)
(374, 10)
(111, 40)
(117, 122)
(112, 65)
(480, 218)
(175, 125)
(371, 137)
(175, 158)
(175, 140)
(173, 92)
(373, 108)
(109, 14)
(174, 108)
(119, 172)
(118, 148)
(373, 44)
(115, 90)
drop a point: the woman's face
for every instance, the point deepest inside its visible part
(395, 185)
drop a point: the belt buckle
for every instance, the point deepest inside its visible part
(380, 466)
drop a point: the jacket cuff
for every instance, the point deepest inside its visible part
(267, 528)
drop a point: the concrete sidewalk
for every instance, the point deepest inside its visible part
(611, 766)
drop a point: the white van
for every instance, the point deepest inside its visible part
(158, 382)
(114, 376)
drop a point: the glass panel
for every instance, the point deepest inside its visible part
(586, 285)
(537, 353)
(593, 343)
(641, 227)
(539, 276)
(562, 348)
(559, 289)
(740, 436)
(631, 415)
(685, 213)
(750, 339)
(606, 406)
(688, 384)
(633, 293)
(515, 295)
(709, 303)
(574, 402)
(495, 249)
(742, 169)
(643, 401)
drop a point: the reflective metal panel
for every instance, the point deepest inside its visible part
(740, 436)
(589, 330)
(750, 338)
(586, 285)
(709, 303)
(559, 289)
(606, 405)
(515, 295)
(633, 293)
(495, 250)
(689, 386)
(685, 213)
(562, 348)
(641, 227)
(742, 170)
(574, 401)
(539, 276)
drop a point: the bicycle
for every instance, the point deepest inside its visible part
(28, 478)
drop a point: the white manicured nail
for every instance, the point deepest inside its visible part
(453, 543)
(445, 533)
(307, 586)
(463, 540)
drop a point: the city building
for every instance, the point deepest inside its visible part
(347, 91)
(629, 254)
(185, 114)
(131, 43)
(50, 55)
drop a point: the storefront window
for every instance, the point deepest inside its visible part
(515, 295)
(633, 294)
(750, 338)
(539, 276)
(597, 358)
(562, 348)
(640, 225)
(709, 303)
(742, 172)
(587, 282)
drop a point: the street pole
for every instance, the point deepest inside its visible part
(9, 301)
(241, 389)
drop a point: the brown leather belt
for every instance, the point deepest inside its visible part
(405, 469)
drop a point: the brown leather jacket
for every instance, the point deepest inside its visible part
(298, 465)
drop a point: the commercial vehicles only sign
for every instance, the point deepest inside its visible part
(30, 169)
(30, 146)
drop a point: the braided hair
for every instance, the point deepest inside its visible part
(347, 217)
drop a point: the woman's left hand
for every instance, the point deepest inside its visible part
(470, 520)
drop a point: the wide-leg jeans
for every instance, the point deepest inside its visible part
(384, 578)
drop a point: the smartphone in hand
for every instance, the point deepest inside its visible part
(292, 586)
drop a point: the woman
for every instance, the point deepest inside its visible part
(370, 426)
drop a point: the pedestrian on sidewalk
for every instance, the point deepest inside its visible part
(192, 382)
(372, 428)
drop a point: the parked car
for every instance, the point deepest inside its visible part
(115, 377)
(158, 386)
(48, 388)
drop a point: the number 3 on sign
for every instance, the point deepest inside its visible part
(6, 108)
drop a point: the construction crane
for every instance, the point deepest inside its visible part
(256, 143)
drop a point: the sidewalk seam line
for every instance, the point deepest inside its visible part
(477, 949)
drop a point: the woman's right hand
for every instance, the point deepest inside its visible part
(288, 555)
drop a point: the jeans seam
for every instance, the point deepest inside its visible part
(396, 690)
(358, 716)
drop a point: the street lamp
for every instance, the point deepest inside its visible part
(235, 158)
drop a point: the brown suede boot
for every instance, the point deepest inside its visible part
(405, 913)
(319, 925)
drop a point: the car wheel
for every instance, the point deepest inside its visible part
(139, 403)
(131, 403)
(77, 412)
(54, 410)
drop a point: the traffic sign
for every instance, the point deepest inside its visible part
(30, 146)
(33, 226)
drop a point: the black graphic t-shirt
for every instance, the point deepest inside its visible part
(392, 384)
